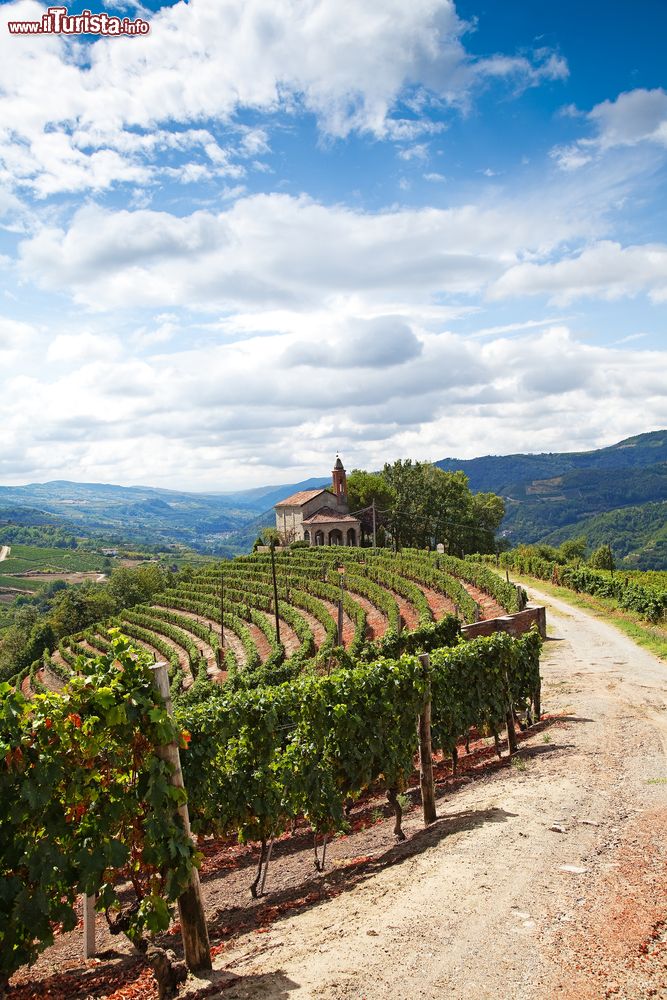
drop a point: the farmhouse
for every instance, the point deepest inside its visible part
(319, 517)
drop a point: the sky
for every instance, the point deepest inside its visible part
(270, 230)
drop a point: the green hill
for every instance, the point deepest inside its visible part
(548, 495)
(637, 535)
(613, 495)
(503, 473)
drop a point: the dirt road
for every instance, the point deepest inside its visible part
(547, 878)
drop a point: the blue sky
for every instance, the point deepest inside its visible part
(272, 229)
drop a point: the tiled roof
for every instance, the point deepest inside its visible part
(299, 499)
(325, 515)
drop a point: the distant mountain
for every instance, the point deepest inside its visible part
(31, 517)
(552, 497)
(547, 496)
(638, 535)
(503, 473)
(219, 523)
(138, 513)
(264, 498)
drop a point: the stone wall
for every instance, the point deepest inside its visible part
(516, 624)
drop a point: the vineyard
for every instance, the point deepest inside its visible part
(642, 592)
(222, 622)
(294, 694)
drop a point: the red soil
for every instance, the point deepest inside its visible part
(288, 636)
(376, 622)
(438, 603)
(489, 607)
(348, 627)
(316, 627)
(408, 612)
(262, 643)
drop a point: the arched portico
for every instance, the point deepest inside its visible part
(335, 536)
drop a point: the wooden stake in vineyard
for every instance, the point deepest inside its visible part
(425, 750)
(194, 931)
(89, 946)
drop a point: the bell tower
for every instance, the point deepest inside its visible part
(339, 481)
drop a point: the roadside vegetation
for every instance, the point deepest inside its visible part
(635, 601)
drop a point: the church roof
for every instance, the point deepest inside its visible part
(339, 464)
(299, 499)
(325, 515)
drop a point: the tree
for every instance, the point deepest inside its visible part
(488, 510)
(431, 505)
(574, 549)
(78, 607)
(129, 586)
(451, 502)
(410, 518)
(271, 536)
(602, 558)
(364, 488)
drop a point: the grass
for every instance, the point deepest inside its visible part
(656, 781)
(519, 764)
(651, 637)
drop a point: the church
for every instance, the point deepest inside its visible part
(319, 517)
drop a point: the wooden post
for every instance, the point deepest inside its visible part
(374, 526)
(425, 753)
(89, 949)
(537, 700)
(512, 745)
(194, 931)
(340, 613)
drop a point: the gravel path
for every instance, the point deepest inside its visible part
(547, 878)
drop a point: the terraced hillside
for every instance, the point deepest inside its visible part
(220, 623)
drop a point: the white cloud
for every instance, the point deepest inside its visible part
(604, 270)
(82, 117)
(571, 157)
(275, 250)
(521, 71)
(15, 334)
(376, 343)
(636, 116)
(168, 419)
(416, 152)
(80, 348)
